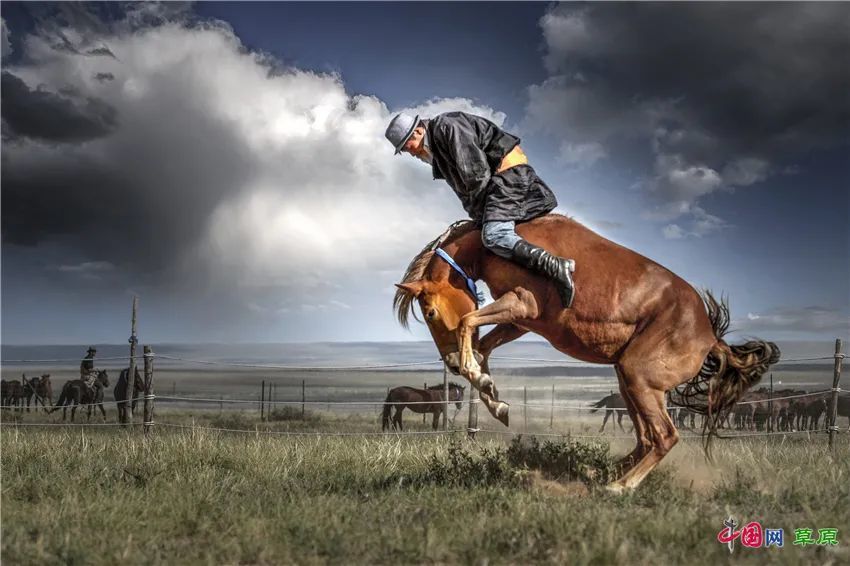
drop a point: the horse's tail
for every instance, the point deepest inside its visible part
(385, 416)
(727, 372)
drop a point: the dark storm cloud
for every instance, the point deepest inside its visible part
(750, 77)
(707, 96)
(52, 117)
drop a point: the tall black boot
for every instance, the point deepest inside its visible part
(556, 268)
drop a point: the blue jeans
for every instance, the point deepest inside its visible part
(500, 238)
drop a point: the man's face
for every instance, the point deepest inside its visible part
(415, 146)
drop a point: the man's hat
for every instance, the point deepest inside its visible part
(400, 129)
(92, 349)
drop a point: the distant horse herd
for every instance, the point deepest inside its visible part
(783, 410)
(75, 394)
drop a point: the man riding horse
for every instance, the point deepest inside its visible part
(87, 372)
(489, 172)
(655, 328)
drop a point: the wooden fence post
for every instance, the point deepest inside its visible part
(552, 409)
(148, 389)
(836, 376)
(472, 422)
(303, 397)
(131, 375)
(424, 386)
(263, 401)
(446, 397)
(525, 407)
(770, 406)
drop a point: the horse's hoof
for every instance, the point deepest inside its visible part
(502, 413)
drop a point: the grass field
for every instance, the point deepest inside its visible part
(191, 496)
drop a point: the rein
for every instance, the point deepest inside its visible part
(470, 283)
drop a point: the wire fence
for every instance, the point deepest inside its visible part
(552, 406)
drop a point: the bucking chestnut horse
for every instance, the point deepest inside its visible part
(657, 331)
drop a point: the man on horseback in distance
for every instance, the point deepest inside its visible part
(489, 172)
(87, 372)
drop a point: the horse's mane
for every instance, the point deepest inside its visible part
(452, 385)
(403, 301)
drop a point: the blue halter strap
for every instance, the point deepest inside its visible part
(470, 284)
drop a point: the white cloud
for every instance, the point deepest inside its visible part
(318, 188)
(673, 232)
(797, 319)
(745, 171)
(87, 267)
(581, 154)
(5, 44)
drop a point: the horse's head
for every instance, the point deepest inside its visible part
(442, 294)
(103, 378)
(456, 394)
(442, 306)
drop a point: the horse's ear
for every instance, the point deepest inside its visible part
(414, 288)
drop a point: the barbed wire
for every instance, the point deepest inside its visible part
(465, 401)
(351, 367)
(319, 434)
(309, 433)
(325, 403)
(55, 408)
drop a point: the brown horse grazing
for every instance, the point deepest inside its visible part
(76, 393)
(657, 331)
(120, 392)
(612, 402)
(419, 401)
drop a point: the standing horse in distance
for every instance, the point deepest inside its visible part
(613, 403)
(12, 394)
(77, 393)
(120, 392)
(657, 331)
(431, 400)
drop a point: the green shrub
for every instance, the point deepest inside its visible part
(234, 421)
(290, 413)
(590, 463)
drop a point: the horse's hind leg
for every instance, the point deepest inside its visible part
(663, 435)
(663, 356)
(638, 427)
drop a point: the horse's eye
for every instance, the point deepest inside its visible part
(431, 314)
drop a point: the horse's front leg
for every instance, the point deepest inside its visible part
(436, 422)
(500, 334)
(513, 306)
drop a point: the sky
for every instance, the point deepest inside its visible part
(226, 163)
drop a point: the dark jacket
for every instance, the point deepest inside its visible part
(87, 364)
(467, 150)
